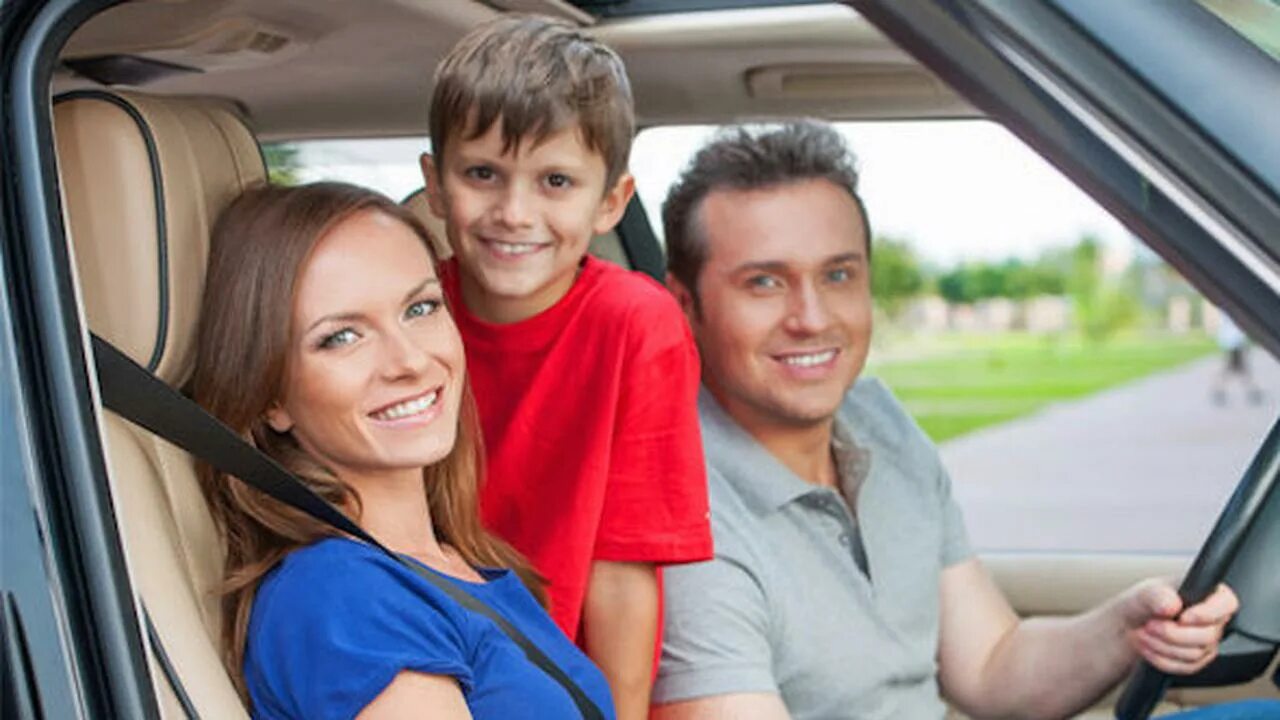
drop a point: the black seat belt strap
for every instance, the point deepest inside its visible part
(135, 394)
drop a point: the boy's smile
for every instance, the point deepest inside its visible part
(519, 219)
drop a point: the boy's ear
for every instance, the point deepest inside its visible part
(614, 204)
(684, 297)
(430, 178)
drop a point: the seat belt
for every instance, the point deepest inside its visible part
(135, 394)
(639, 243)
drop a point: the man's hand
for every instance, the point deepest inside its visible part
(1173, 640)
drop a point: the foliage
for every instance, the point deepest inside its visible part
(282, 163)
(1102, 307)
(896, 274)
(1012, 278)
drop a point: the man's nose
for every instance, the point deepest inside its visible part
(808, 311)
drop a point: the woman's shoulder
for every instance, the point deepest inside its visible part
(338, 604)
(327, 562)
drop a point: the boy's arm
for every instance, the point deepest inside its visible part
(620, 625)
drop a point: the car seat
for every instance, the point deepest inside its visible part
(143, 179)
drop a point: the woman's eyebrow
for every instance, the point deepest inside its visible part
(349, 316)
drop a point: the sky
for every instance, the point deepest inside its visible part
(955, 189)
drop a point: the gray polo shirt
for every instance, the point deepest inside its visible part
(785, 606)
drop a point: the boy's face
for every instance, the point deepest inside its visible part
(520, 222)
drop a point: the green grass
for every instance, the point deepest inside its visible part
(955, 384)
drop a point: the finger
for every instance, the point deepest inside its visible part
(1173, 652)
(1172, 666)
(1189, 636)
(1217, 608)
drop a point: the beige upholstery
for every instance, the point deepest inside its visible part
(143, 179)
(607, 246)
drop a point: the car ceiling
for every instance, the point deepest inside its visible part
(335, 68)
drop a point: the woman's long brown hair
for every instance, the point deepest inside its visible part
(259, 247)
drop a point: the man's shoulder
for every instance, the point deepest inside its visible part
(878, 418)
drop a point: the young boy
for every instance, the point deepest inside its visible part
(586, 374)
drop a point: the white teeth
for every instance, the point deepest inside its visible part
(410, 407)
(811, 359)
(515, 248)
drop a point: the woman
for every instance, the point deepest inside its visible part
(325, 341)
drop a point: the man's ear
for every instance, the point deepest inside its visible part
(684, 297)
(278, 418)
(431, 178)
(614, 204)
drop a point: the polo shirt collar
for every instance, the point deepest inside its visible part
(760, 478)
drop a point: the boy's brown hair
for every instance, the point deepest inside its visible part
(539, 76)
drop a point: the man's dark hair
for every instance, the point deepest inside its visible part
(740, 158)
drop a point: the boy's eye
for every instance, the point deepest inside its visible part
(479, 172)
(559, 180)
(345, 336)
(422, 308)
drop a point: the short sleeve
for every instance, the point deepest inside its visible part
(955, 538)
(716, 636)
(655, 506)
(329, 633)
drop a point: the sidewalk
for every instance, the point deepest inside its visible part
(1143, 467)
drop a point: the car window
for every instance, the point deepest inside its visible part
(389, 165)
(1084, 396)
(1257, 20)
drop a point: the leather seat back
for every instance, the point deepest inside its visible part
(143, 179)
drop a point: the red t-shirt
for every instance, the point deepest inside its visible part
(591, 430)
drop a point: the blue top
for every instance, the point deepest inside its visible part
(337, 620)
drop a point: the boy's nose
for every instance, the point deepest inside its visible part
(514, 207)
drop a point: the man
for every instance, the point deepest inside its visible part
(843, 584)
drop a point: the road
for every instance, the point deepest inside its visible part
(1142, 467)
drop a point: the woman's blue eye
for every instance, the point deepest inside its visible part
(422, 308)
(345, 336)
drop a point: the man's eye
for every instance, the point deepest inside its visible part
(345, 336)
(559, 180)
(422, 308)
(763, 282)
(840, 275)
(480, 172)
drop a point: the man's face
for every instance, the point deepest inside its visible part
(520, 221)
(783, 319)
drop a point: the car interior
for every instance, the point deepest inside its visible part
(160, 108)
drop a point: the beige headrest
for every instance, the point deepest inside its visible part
(143, 179)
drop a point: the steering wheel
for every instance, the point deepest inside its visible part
(1235, 546)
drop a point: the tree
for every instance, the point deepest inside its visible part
(896, 275)
(282, 163)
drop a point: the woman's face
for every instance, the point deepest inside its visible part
(375, 367)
